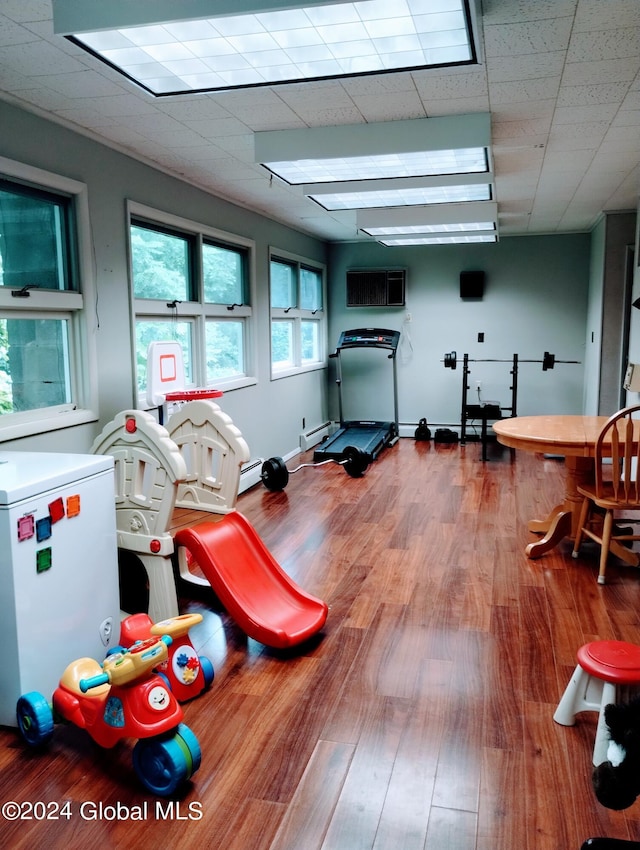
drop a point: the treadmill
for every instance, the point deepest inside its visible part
(370, 437)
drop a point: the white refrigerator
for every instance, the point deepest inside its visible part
(59, 596)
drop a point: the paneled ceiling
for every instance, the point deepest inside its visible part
(559, 78)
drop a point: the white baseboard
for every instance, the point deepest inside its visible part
(250, 474)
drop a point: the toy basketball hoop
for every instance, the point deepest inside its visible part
(166, 377)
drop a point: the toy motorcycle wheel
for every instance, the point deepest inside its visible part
(188, 739)
(207, 669)
(163, 764)
(35, 718)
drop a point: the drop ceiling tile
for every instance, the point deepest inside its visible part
(38, 59)
(268, 116)
(544, 36)
(194, 108)
(602, 112)
(121, 105)
(596, 15)
(510, 68)
(241, 146)
(432, 87)
(592, 94)
(522, 90)
(515, 11)
(124, 136)
(402, 105)
(608, 44)
(215, 128)
(42, 97)
(174, 139)
(523, 111)
(12, 33)
(385, 84)
(459, 106)
(562, 160)
(207, 152)
(83, 84)
(333, 116)
(535, 130)
(12, 81)
(85, 116)
(627, 118)
(23, 11)
(604, 71)
(518, 161)
(557, 184)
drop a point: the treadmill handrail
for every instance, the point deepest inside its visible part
(370, 340)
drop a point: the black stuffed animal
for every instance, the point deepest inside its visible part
(616, 781)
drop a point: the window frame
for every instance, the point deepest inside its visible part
(296, 315)
(77, 306)
(197, 311)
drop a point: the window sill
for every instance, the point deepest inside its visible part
(288, 372)
(45, 424)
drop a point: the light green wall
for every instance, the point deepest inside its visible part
(535, 301)
(268, 414)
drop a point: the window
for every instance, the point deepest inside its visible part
(298, 327)
(192, 284)
(47, 363)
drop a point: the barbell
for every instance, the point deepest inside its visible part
(275, 474)
(548, 361)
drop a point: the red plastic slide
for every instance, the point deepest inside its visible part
(251, 585)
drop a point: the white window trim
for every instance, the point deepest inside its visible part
(196, 311)
(297, 314)
(79, 307)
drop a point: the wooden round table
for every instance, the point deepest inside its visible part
(574, 438)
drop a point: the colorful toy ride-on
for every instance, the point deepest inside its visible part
(188, 674)
(122, 698)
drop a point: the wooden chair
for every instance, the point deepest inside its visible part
(615, 488)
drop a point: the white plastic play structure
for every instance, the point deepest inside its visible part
(193, 462)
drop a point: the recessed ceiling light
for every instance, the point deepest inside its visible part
(440, 240)
(399, 164)
(429, 228)
(245, 44)
(403, 197)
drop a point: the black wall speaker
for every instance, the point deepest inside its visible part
(471, 284)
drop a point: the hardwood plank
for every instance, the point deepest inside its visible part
(451, 829)
(357, 812)
(420, 718)
(309, 814)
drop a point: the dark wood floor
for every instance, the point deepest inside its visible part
(422, 717)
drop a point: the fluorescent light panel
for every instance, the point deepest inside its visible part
(462, 218)
(401, 164)
(403, 197)
(440, 240)
(429, 228)
(284, 45)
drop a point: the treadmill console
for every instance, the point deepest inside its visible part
(369, 338)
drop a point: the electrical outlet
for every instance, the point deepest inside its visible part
(407, 316)
(478, 385)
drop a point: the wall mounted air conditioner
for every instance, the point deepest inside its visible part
(376, 287)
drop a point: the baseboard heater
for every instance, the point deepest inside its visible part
(313, 436)
(250, 474)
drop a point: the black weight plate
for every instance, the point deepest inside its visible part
(275, 475)
(356, 461)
